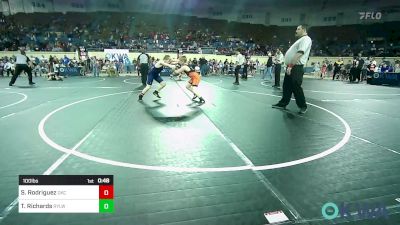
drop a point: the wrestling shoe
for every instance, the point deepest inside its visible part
(279, 106)
(155, 93)
(202, 100)
(303, 110)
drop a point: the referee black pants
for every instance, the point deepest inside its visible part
(245, 71)
(237, 68)
(292, 85)
(144, 70)
(19, 68)
(278, 69)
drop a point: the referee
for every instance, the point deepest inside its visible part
(295, 59)
(239, 61)
(143, 62)
(278, 61)
(21, 64)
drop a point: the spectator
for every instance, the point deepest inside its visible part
(203, 66)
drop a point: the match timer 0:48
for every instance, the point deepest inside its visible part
(104, 180)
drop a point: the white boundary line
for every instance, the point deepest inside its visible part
(351, 213)
(66, 155)
(220, 81)
(362, 139)
(71, 87)
(361, 94)
(127, 82)
(11, 114)
(391, 150)
(263, 83)
(50, 170)
(341, 93)
(370, 142)
(15, 103)
(248, 162)
(50, 142)
(85, 82)
(331, 150)
(344, 100)
(327, 152)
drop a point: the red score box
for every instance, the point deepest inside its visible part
(106, 192)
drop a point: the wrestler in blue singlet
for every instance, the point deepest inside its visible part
(154, 74)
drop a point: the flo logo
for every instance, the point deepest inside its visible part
(370, 15)
(354, 210)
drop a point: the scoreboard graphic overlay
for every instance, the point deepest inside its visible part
(66, 194)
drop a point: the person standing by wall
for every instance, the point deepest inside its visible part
(269, 66)
(329, 68)
(239, 61)
(278, 66)
(337, 65)
(225, 67)
(295, 59)
(364, 69)
(360, 66)
(1, 68)
(371, 67)
(246, 67)
(203, 66)
(96, 67)
(324, 68)
(8, 68)
(353, 70)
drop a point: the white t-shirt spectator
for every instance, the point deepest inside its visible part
(8, 65)
(240, 59)
(279, 58)
(397, 68)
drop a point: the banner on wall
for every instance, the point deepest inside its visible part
(119, 55)
(384, 78)
(71, 71)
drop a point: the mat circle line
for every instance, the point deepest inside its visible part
(17, 102)
(56, 146)
(128, 82)
(343, 93)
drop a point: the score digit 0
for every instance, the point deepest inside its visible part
(106, 192)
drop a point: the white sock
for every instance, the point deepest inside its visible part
(162, 85)
(146, 89)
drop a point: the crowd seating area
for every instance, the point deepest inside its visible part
(155, 33)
